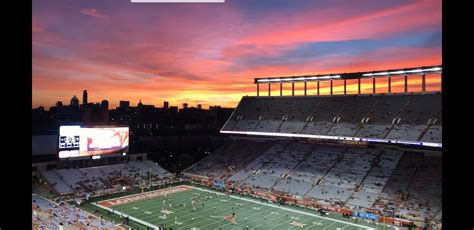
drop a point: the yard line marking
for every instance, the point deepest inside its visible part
(328, 226)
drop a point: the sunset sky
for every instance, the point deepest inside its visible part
(210, 53)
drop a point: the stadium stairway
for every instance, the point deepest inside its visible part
(310, 118)
(307, 155)
(257, 170)
(359, 127)
(431, 122)
(275, 156)
(335, 119)
(361, 184)
(406, 190)
(329, 169)
(398, 116)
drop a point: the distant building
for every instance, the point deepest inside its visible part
(173, 110)
(199, 106)
(97, 112)
(74, 102)
(59, 104)
(105, 104)
(185, 105)
(124, 104)
(165, 105)
(84, 97)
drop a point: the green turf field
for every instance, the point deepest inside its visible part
(248, 211)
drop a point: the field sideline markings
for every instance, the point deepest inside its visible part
(291, 210)
(126, 215)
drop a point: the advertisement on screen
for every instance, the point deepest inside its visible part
(76, 141)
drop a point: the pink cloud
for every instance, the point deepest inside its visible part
(301, 27)
(95, 13)
(36, 27)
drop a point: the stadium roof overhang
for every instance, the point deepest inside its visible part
(357, 75)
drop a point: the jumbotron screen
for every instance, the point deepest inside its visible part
(77, 141)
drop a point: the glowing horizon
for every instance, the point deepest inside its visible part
(211, 53)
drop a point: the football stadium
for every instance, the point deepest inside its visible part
(337, 161)
(238, 114)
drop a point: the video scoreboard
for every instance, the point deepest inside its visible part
(77, 141)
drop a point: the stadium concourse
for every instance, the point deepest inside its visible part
(402, 182)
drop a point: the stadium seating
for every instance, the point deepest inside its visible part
(342, 178)
(228, 159)
(351, 115)
(424, 191)
(54, 179)
(357, 178)
(414, 120)
(47, 215)
(65, 181)
(253, 167)
(375, 180)
(405, 117)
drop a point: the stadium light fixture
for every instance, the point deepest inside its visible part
(399, 72)
(292, 79)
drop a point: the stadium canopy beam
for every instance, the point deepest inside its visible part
(389, 85)
(281, 88)
(331, 86)
(358, 86)
(345, 87)
(269, 89)
(377, 74)
(344, 76)
(423, 83)
(318, 87)
(373, 85)
(292, 88)
(406, 84)
(305, 88)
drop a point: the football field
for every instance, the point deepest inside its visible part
(187, 207)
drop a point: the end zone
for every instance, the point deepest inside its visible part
(143, 196)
